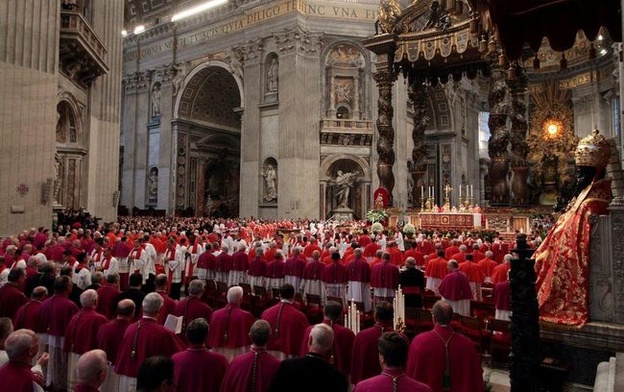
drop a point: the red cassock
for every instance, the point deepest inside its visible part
(365, 357)
(55, 314)
(167, 308)
(386, 380)
(257, 267)
(206, 260)
(198, 369)
(224, 262)
(276, 269)
(192, 308)
(27, 315)
(460, 257)
(107, 301)
(472, 271)
(502, 295)
(385, 275)
(19, 377)
(450, 251)
(11, 298)
(436, 268)
(455, 286)
(143, 339)
(427, 361)
(229, 327)
(81, 334)
(109, 337)
(500, 249)
(371, 250)
(342, 348)
(396, 257)
(358, 270)
(239, 261)
(313, 270)
(417, 255)
(487, 266)
(500, 273)
(288, 325)
(251, 372)
(334, 273)
(295, 267)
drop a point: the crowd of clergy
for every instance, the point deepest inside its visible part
(124, 307)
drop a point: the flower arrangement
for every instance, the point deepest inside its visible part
(409, 229)
(377, 227)
(377, 215)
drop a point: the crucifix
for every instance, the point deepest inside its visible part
(447, 190)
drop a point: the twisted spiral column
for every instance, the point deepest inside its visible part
(418, 95)
(385, 142)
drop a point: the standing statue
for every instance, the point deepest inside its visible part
(562, 259)
(156, 100)
(270, 179)
(389, 14)
(344, 183)
(152, 186)
(272, 76)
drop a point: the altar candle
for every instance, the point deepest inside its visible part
(422, 192)
(460, 192)
(471, 191)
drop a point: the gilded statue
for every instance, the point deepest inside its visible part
(389, 14)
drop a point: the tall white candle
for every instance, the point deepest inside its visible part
(460, 192)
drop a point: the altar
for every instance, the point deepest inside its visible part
(447, 220)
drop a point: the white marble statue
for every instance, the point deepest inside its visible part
(270, 179)
(344, 183)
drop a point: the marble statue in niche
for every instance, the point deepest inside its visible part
(156, 100)
(342, 189)
(270, 180)
(152, 186)
(272, 76)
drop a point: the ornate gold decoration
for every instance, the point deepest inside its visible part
(389, 13)
(552, 107)
(593, 150)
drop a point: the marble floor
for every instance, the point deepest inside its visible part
(499, 379)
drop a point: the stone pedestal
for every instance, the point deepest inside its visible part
(342, 213)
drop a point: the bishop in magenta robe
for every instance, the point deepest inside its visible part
(229, 327)
(198, 369)
(253, 371)
(427, 360)
(288, 324)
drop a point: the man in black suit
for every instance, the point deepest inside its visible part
(134, 292)
(412, 282)
(311, 373)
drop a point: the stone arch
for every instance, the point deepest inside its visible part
(183, 95)
(69, 159)
(208, 124)
(358, 199)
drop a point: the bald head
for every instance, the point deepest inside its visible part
(125, 308)
(92, 367)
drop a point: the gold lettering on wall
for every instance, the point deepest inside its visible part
(259, 15)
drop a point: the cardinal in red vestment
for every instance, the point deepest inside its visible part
(27, 315)
(192, 307)
(18, 374)
(11, 294)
